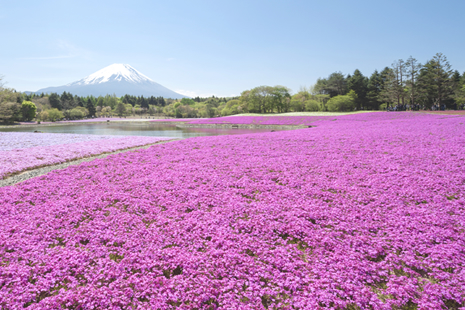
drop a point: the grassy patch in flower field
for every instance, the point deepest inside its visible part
(363, 211)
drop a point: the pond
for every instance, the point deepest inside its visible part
(133, 129)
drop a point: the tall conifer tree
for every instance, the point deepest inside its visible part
(359, 84)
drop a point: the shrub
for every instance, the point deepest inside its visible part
(297, 105)
(54, 115)
(342, 102)
(43, 116)
(312, 105)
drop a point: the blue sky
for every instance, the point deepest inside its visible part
(222, 47)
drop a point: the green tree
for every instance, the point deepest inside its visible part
(389, 94)
(336, 84)
(152, 110)
(67, 101)
(456, 81)
(80, 101)
(231, 107)
(374, 86)
(259, 99)
(110, 101)
(43, 116)
(359, 84)
(297, 103)
(54, 115)
(264, 99)
(105, 111)
(280, 97)
(398, 86)
(187, 101)
(435, 85)
(55, 101)
(9, 111)
(10, 108)
(120, 109)
(459, 94)
(91, 107)
(144, 103)
(342, 102)
(78, 113)
(28, 110)
(413, 69)
(129, 108)
(312, 105)
(101, 101)
(320, 86)
(210, 108)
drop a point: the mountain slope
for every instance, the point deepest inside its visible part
(118, 79)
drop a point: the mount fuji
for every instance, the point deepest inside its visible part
(118, 79)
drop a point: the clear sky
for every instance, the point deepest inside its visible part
(222, 47)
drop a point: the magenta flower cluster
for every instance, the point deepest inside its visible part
(365, 212)
(20, 151)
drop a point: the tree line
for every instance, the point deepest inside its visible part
(16, 106)
(405, 85)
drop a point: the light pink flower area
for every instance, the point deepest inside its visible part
(365, 212)
(301, 120)
(20, 151)
(261, 120)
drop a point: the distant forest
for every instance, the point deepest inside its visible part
(405, 85)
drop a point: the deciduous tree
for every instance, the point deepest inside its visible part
(413, 69)
(120, 109)
(28, 110)
(54, 115)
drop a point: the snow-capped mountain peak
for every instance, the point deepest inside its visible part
(114, 72)
(116, 79)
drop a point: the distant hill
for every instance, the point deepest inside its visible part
(118, 79)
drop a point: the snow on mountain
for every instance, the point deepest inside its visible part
(115, 72)
(118, 79)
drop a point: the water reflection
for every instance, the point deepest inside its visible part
(135, 129)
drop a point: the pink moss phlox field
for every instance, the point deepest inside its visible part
(365, 212)
(261, 120)
(23, 140)
(300, 120)
(21, 151)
